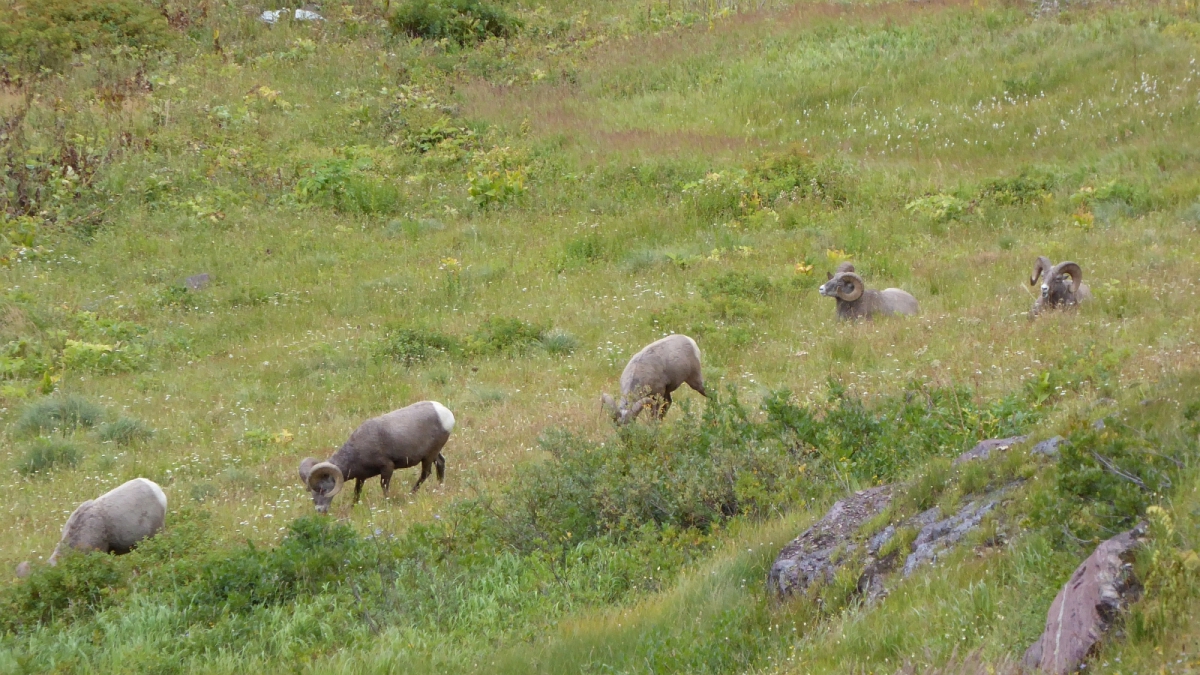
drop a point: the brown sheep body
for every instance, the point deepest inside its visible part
(653, 373)
(400, 439)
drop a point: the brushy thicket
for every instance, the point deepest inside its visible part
(43, 35)
(461, 21)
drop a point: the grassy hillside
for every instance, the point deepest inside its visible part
(498, 214)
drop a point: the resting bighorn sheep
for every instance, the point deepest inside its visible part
(854, 301)
(398, 440)
(113, 522)
(652, 374)
(1055, 290)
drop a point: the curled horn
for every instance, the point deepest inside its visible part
(858, 287)
(320, 473)
(637, 408)
(845, 266)
(1069, 268)
(1042, 264)
(609, 405)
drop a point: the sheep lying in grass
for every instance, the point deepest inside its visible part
(114, 522)
(398, 440)
(652, 374)
(854, 301)
(1056, 292)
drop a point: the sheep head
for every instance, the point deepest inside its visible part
(623, 413)
(845, 285)
(323, 480)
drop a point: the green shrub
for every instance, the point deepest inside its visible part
(125, 431)
(44, 34)
(462, 21)
(414, 345)
(65, 415)
(501, 335)
(1027, 187)
(77, 587)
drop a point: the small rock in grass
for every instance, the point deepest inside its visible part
(1048, 447)
(985, 448)
(197, 281)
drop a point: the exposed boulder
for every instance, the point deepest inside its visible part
(939, 534)
(1087, 605)
(810, 558)
(838, 540)
(1048, 447)
(984, 449)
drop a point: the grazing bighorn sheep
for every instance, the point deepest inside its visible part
(398, 440)
(114, 522)
(1055, 291)
(652, 374)
(854, 301)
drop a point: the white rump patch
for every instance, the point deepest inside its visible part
(158, 493)
(444, 416)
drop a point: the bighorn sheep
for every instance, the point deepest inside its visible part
(1055, 290)
(114, 522)
(398, 440)
(652, 374)
(854, 301)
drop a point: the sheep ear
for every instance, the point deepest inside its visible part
(828, 276)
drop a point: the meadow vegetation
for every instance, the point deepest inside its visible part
(495, 204)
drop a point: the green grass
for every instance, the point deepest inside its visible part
(498, 224)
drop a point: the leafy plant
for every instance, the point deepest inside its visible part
(415, 345)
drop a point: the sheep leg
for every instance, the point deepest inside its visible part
(358, 483)
(385, 477)
(664, 406)
(440, 465)
(426, 465)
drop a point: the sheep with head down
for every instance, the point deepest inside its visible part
(114, 522)
(1056, 292)
(652, 374)
(398, 440)
(855, 301)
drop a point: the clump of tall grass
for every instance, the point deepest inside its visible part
(63, 414)
(124, 431)
(463, 21)
(47, 454)
(558, 342)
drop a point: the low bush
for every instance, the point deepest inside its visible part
(44, 34)
(462, 21)
(415, 345)
(77, 587)
(505, 335)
